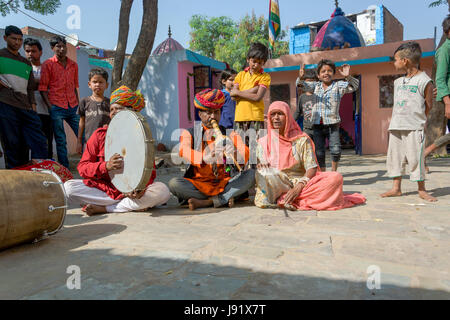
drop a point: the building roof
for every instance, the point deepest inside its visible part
(351, 17)
(339, 31)
(168, 45)
(352, 56)
(41, 33)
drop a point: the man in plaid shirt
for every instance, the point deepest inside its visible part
(325, 114)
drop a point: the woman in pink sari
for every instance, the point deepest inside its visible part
(291, 151)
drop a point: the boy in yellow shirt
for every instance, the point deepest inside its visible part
(250, 86)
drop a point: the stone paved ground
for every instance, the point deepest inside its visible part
(249, 253)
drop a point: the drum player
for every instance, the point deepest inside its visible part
(207, 181)
(96, 191)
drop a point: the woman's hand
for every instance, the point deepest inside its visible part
(261, 166)
(293, 194)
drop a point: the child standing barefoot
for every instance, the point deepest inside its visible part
(412, 103)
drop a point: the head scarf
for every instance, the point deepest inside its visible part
(209, 99)
(281, 157)
(128, 98)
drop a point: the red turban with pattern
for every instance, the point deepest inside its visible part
(209, 99)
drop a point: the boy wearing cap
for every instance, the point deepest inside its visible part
(207, 182)
(96, 191)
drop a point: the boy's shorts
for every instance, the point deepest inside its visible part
(406, 147)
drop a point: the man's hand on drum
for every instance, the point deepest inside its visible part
(115, 163)
(135, 194)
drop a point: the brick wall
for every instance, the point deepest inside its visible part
(393, 29)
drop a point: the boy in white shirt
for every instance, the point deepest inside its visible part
(413, 95)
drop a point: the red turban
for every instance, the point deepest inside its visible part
(209, 99)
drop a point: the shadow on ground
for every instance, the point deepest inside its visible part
(137, 273)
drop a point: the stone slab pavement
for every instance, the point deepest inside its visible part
(250, 253)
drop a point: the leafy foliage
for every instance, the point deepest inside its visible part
(43, 7)
(207, 32)
(232, 46)
(437, 3)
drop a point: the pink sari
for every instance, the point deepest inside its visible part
(325, 190)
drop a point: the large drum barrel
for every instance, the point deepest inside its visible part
(32, 206)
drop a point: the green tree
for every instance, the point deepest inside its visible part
(250, 29)
(440, 2)
(43, 7)
(206, 32)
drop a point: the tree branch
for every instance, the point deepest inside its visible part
(144, 45)
(119, 56)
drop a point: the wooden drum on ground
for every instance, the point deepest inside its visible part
(33, 206)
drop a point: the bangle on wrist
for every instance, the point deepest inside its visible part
(305, 179)
(303, 183)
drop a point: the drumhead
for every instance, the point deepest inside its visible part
(129, 135)
(64, 208)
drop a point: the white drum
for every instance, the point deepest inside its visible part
(129, 135)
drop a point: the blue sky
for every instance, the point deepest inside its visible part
(99, 18)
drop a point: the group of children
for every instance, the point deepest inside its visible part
(320, 102)
(36, 98)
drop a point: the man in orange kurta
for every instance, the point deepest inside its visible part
(210, 154)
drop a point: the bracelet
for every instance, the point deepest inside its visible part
(303, 183)
(305, 179)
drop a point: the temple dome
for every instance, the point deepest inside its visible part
(168, 45)
(340, 32)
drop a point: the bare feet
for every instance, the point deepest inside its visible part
(334, 166)
(196, 203)
(391, 193)
(426, 196)
(92, 209)
(231, 203)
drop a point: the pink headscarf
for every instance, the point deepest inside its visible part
(283, 157)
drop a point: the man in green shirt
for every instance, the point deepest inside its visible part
(443, 70)
(443, 84)
(19, 122)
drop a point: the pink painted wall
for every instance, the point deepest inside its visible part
(183, 69)
(375, 120)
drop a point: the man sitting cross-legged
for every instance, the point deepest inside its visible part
(97, 191)
(207, 181)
